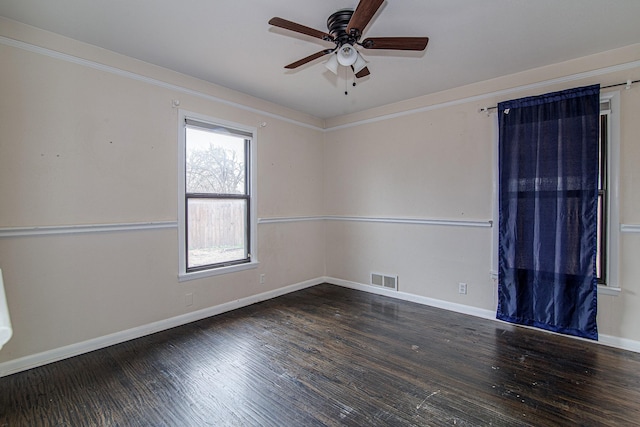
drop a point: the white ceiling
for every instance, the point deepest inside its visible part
(229, 42)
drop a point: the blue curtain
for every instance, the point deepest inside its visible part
(548, 190)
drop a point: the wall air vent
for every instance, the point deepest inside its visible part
(377, 279)
(384, 281)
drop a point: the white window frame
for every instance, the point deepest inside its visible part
(183, 275)
(612, 286)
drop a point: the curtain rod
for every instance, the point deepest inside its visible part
(628, 84)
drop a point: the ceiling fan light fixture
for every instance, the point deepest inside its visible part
(332, 64)
(359, 64)
(347, 55)
(345, 29)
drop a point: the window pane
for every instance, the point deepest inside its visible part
(601, 256)
(602, 153)
(215, 162)
(600, 240)
(216, 231)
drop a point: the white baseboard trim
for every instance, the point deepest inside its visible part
(50, 356)
(608, 340)
(621, 343)
(446, 305)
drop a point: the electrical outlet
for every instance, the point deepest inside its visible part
(262, 278)
(188, 300)
(462, 288)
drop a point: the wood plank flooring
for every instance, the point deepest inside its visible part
(330, 356)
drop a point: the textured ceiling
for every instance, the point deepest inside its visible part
(229, 42)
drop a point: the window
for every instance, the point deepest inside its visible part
(608, 217)
(601, 259)
(548, 147)
(216, 197)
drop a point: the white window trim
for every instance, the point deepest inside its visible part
(183, 275)
(613, 286)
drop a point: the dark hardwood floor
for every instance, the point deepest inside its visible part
(333, 356)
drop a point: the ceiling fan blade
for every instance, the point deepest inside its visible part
(396, 43)
(299, 28)
(308, 59)
(363, 73)
(363, 14)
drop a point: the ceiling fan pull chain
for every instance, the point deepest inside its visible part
(346, 78)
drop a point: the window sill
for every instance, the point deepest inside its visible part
(184, 277)
(608, 290)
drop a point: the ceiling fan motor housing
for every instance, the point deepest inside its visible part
(337, 24)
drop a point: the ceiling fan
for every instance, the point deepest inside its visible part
(345, 29)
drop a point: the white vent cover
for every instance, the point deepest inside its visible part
(377, 279)
(384, 281)
(390, 282)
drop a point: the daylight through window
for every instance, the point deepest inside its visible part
(217, 196)
(603, 196)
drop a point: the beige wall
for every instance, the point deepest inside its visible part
(432, 158)
(96, 143)
(423, 166)
(86, 144)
